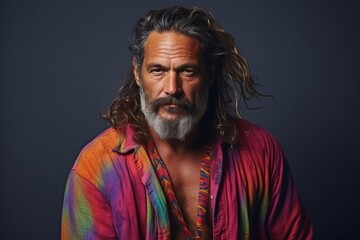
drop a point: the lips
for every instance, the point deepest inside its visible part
(171, 104)
(173, 108)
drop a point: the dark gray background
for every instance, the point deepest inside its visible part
(62, 62)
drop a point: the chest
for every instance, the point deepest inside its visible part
(185, 182)
(131, 210)
(185, 178)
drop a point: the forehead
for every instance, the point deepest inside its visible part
(170, 45)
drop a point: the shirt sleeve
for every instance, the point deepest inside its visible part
(86, 214)
(287, 218)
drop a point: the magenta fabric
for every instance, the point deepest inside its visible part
(113, 193)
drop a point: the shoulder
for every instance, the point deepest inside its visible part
(97, 156)
(255, 135)
(258, 143)
(101, 144)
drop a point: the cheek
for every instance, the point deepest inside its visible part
(192, 91)
(147, 85)
(151, 90)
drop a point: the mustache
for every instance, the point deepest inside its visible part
(181, 102)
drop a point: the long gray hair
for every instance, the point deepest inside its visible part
(230, 72)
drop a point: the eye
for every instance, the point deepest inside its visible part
(188, 72)
(157, 71)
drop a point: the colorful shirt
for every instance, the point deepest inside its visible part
(113, 192)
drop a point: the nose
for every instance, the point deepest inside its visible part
(172, 84)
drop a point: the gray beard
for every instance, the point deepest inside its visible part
(177, 128)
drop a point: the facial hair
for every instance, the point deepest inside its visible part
(179, 127)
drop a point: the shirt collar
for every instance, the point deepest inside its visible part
(125, 141)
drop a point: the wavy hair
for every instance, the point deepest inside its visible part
(232, 82)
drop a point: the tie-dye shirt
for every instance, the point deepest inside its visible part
(113, 192)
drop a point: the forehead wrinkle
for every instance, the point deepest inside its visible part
(171, 45)
(169, 51)
(172, 55)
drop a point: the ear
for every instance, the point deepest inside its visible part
(136, 71)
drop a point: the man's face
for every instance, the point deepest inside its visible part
(172, 84)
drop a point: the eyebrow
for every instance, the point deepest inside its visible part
(154, 65)
(181, 67)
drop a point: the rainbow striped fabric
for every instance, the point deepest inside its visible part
(113, 191)
(167, 187)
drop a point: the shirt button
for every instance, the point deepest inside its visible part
(211, 197)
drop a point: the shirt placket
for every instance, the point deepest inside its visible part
(216, 171)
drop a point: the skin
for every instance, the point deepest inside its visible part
(172, 65)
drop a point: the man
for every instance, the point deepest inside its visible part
(177, 164)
